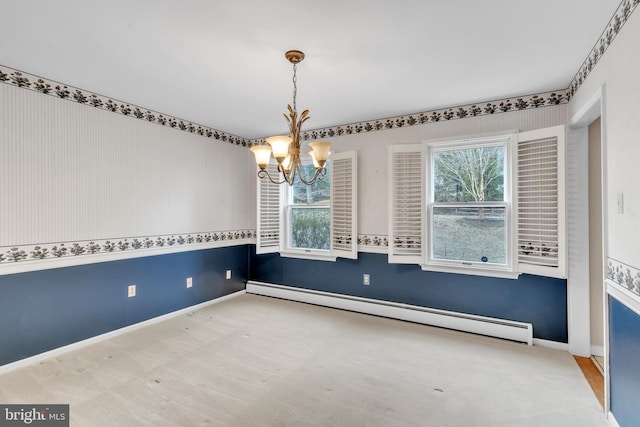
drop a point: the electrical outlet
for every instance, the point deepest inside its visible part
(189, 282)
(366, 280)
(228, 274)
(131, 291)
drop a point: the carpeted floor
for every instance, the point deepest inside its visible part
(258, 361)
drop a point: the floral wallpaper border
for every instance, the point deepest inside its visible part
(528, 102)
(620, 17)
(26, 253)
(49, 87)
(373, 240)
(624, 276)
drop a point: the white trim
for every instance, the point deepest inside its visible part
(98, 338)
(73, 260)
(506, 141)
(627, 298)
(374, 249)
(612, 420)
(605, 246)
(591, 110)
(507, 329)
(577, 195)
(551, 344)
(472, 269)
(303, 254)
(597, 350)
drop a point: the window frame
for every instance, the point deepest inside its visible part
(272, 201)
(407, 207)
(430, 263)
(286, 248)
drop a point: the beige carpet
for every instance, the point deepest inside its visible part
(258, 361)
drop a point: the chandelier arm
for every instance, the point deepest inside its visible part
(318, 174)
(263, 173)
(289, 176)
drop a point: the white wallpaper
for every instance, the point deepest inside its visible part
(373, 152)
(70, 172)
(617, 73)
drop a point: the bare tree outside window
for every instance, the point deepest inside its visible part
(474, 174)
(466, 224)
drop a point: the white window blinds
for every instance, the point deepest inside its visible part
(343, 205)
(406, 206)
(269, 211)
(271, 221)
(540, 211)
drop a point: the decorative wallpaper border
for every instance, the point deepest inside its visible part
(528, 102)
(616, 23)
(375, 240)
(27, 253)
(446, 114)
(49, 87)
(624, 276)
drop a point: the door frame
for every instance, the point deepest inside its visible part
(578, 309)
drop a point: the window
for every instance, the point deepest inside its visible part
(308, 213)
(316, 221)
(488, 206)
(468, 204)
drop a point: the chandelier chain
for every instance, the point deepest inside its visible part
(295, 87)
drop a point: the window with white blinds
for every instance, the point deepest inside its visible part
(535, 234)
(343, 205)
(277, 231)
(406, 169)
(269, 213)
(540, 212)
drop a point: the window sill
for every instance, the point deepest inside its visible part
(313, 255)
(472, 270)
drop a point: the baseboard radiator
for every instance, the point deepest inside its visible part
(499, 328)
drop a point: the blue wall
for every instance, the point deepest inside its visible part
(539, 300)
(624, 363)
(43, 310)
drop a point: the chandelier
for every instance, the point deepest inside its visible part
(286, 148)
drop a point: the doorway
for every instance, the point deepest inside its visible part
(596, 274)
(587, 311)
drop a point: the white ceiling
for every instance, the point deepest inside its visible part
(221, 63)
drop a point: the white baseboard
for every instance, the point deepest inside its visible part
(500, 328)
(612, 420)
(76, 345)
(597, 350)
(551, 344)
